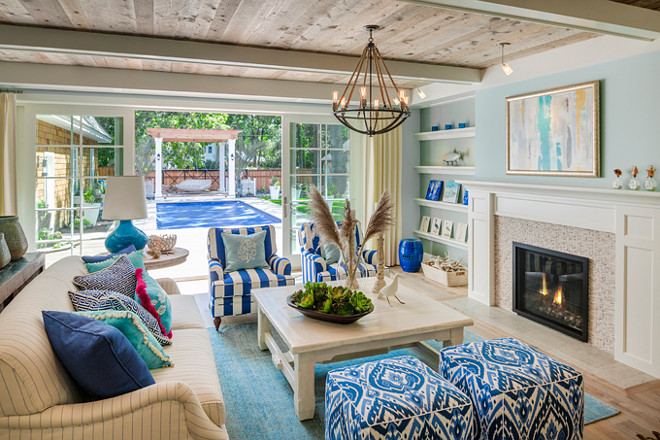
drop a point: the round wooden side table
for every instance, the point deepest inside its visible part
(178, 256)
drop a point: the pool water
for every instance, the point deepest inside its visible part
(210, 215)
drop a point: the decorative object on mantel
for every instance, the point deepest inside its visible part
(466, 198)
(5, 255)
(411, 253)
(445, 271)
(14, 236)
(434, 190)
(390, 290)
(451, 159)
(617, 183)
(554, 132)
(634, 182)
(380, 267)
(436, 225)
(447, 226)
(424, 225)
(650, 184)
(344, 235)
(376, 111)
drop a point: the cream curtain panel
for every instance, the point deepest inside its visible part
(8, 190)
(383, 172)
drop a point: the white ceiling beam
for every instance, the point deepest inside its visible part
(29, 38)
(599, 16)
(97, 79)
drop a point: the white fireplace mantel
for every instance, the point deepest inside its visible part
(634, 218)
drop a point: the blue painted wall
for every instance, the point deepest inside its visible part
(629, 110)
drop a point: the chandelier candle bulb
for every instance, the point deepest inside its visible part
(335, 96)
(376, 104)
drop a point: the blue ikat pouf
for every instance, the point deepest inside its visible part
(517, 392)
(397, 398)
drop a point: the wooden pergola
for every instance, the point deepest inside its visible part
(197, 135)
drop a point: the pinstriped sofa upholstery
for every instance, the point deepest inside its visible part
(314, 267)
(39, 400)
(230, 292)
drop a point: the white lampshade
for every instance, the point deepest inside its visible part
(125, 198)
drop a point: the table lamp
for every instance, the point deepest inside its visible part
(125, 200)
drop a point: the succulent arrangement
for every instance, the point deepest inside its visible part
(336, 300)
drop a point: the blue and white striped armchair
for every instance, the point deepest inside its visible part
(314, 267)
(230, 292)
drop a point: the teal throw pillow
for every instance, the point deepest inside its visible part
(118, 277)
(137, 334)
(245, 251)
(159, 300)
(93, 300)
(331, 253)
(136, 258)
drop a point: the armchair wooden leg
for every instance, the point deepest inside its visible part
(216, 323)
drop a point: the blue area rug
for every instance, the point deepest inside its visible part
(211, 215)
(259, 400)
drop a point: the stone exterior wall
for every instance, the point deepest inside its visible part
(598, 247)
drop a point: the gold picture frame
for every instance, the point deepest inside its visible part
(554, 132)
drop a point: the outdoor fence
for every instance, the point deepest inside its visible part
(262, 177)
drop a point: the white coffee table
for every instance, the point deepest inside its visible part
(310, 341)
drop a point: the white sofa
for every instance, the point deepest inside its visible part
(39, 400)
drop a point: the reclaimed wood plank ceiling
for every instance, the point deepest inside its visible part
(410, 32)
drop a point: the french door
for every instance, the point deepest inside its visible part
(319, 154)
(75, 151)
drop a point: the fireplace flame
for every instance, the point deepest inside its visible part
(544, 290)
(558, 299)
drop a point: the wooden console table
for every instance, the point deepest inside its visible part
(17, 274)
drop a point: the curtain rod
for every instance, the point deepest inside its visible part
(10, 91)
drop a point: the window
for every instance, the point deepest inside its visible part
(74, 156)
(210, 149)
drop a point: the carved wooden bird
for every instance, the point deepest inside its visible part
(390, 290)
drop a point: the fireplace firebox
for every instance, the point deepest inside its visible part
(552, 288)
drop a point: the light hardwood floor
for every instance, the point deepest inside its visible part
(639, 404)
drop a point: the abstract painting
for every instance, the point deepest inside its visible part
(554, 132)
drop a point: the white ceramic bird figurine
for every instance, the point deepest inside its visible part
(390, 290)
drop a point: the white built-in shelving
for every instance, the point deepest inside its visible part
(455, 133)
(442, 205)
(444, 240)
(445, 169)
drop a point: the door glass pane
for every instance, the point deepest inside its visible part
(100, 130)
(336, 136)
(54, 226)
(56, 130)
(55, 161)
(306, 161)
(102, 161)
(337, 187)
(55, 193)
(336, 161)
(308, 136)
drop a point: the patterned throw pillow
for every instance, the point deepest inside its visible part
(118, 277)
(245, 251)
(136, 258)
(331, 253)
(100, 258)
(137, 334)
(98, 357)
(93, 300)
(155, 300)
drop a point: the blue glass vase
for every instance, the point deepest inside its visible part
(411, 253)
(124, 235)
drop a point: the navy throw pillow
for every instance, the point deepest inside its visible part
(99, 258)
(99, 358)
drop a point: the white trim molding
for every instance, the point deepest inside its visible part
(634, 218)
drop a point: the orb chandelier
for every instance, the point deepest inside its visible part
(376, 112)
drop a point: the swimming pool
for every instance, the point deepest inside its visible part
(210, 215)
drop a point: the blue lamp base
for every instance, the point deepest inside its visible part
(124, 235)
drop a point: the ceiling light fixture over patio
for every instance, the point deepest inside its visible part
(376, 112)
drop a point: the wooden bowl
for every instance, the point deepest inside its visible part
(329, 317)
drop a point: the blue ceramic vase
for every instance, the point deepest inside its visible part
(411, 253)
